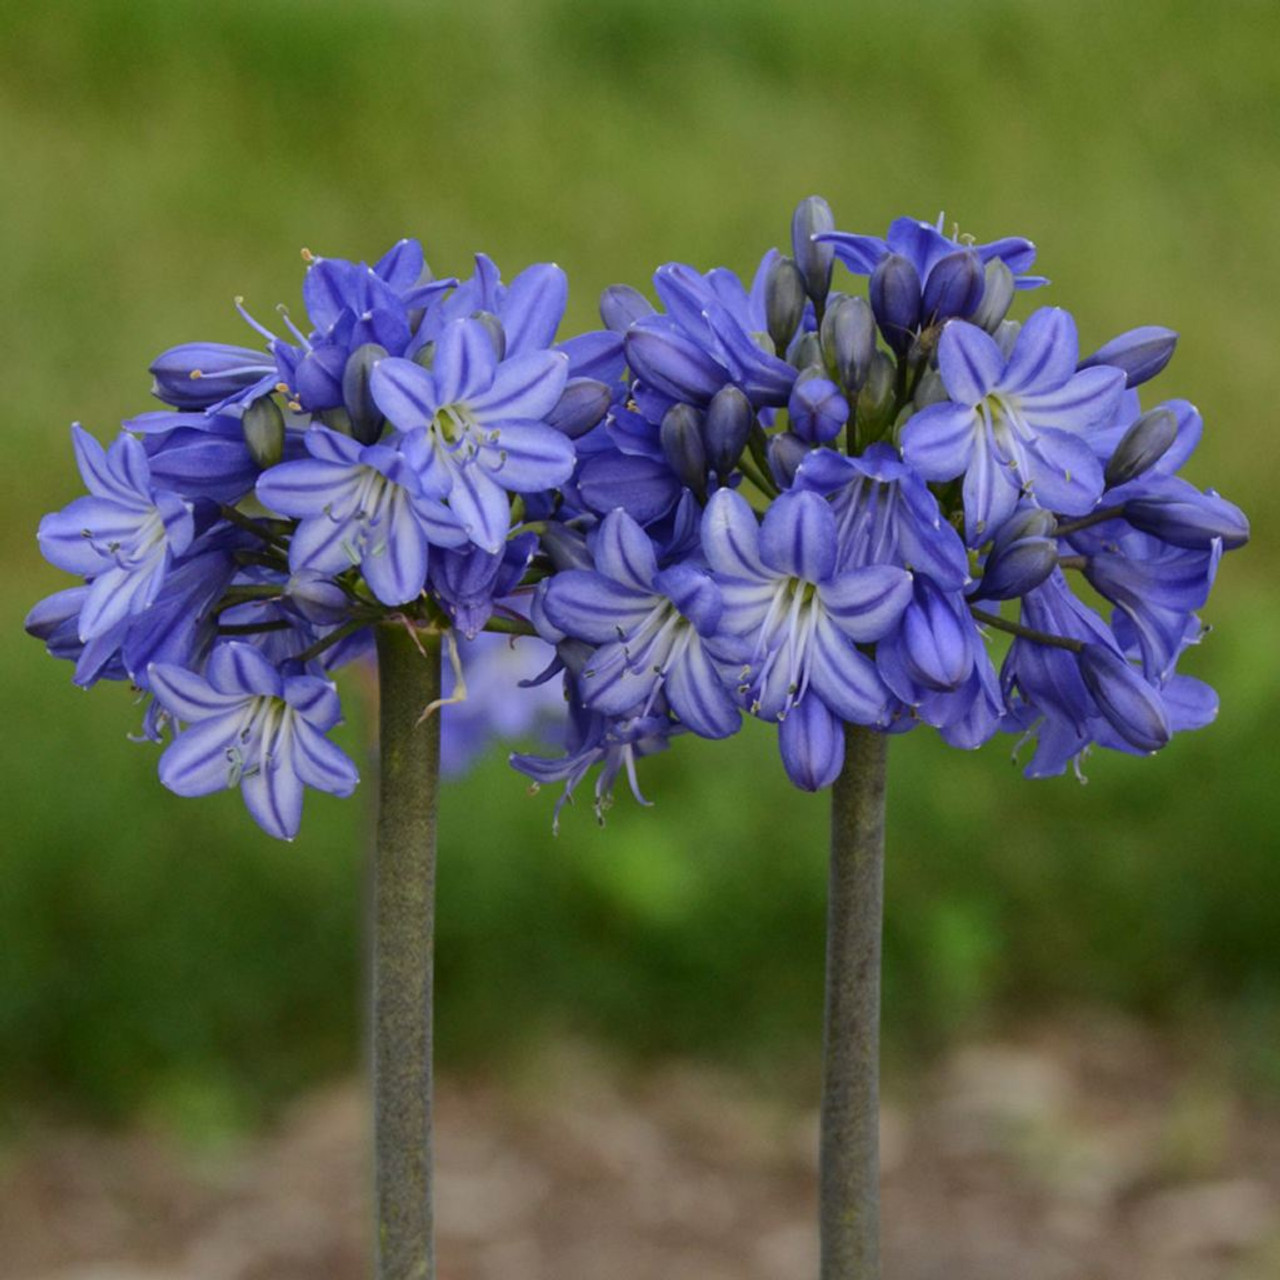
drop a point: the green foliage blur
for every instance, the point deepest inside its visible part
(161, 958)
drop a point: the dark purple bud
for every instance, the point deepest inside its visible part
(1129, 704)
(493, 327)
(566, 548)
(953, 289)
(621, 306)
(895, 299)
(1141, 353)
(877, 398)
(1024, 554)
(997, 296)
(1189, 519)
(784, 302)
(682, 446)
(263, 427)
(817, 408)
(366, 417)
(673, 364)
(197, 374)
(786, 453)
(848, 337)
(1142, 446)
(582, 406)
(725, 429)
(813, 216)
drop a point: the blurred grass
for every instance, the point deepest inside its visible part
(159, 955)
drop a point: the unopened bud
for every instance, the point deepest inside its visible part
(725, 429)
(997, 296)
(1188, 518)
(786, 453)
(953, 288)
(681, 436)
(876, 399)
(366, 417)
(895, 299)
(806, 351)
(817, 408)
(1024, 554)
(813, 216)
(848, 338)
(263, 427)
(1129, 704)
(582, 405)
(1141, 353)
(621, 306)
(784, 302)
(1142, 446)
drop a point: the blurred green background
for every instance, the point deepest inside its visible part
(160, 958)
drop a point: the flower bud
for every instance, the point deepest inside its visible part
(784, 302)
(1141, 353)
(1129, 704)
(813, 216)
(317, 598)
(1189, 518)
(895, 299)
(425, 356)
(786, 453)
(681, 436)
(621, 306)
(937, 640)
(954, 287)
(197, 374)
(672, 363)
(338, 420)
(366, 417)
(817, 408)
(997, 296)
(876, 399)
(929, 390)
(263, 427)
(493, 327)
(581, 406)
(1024, 554)
(1142, 446)
(725, 429)
(566, 548)
(848, 337)
(806, 351)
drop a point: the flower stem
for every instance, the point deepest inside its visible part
(850, 1146)
(404, 936)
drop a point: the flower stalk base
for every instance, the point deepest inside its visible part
(850, 1145)
(404, 939)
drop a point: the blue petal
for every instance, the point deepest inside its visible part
(1085, 401)
(402, 265)
(464, 362)
(395, 559)
(196, 763)
(1063, 473)
(116, 594)
(969, 361)
(845, 679)
(319, 763)
(671, 363)
(332, 446)
(481, 505)
(697, 695)
(866, 603)
(273, 796)
(731, 536)
(990, 492)
(405, 392)
(533, 308)
(811, 741)
(531, 457)
(611, 686)
(315, 700)
(798, 537)
(939, 440)
(1045, 353)
(188, 696)
(235, 667)
(645, 487)
(693, 592)
(99, 476)
(861, 254)
(623, 551)
(323, 544)
(308, 487)
(594, 608)
(525, 388)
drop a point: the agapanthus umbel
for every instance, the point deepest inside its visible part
(375, 468)
(890, 487)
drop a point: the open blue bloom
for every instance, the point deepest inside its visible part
(123, 536)
(480, 425)
(360, 505)
(1016, 424)
(800, 618)
(248, 726)
(656, 629)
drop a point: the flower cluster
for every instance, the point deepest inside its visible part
(811, 506)
(821, 508)
(239, 545)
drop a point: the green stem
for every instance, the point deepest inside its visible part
(849, 1172)
(404, 936)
